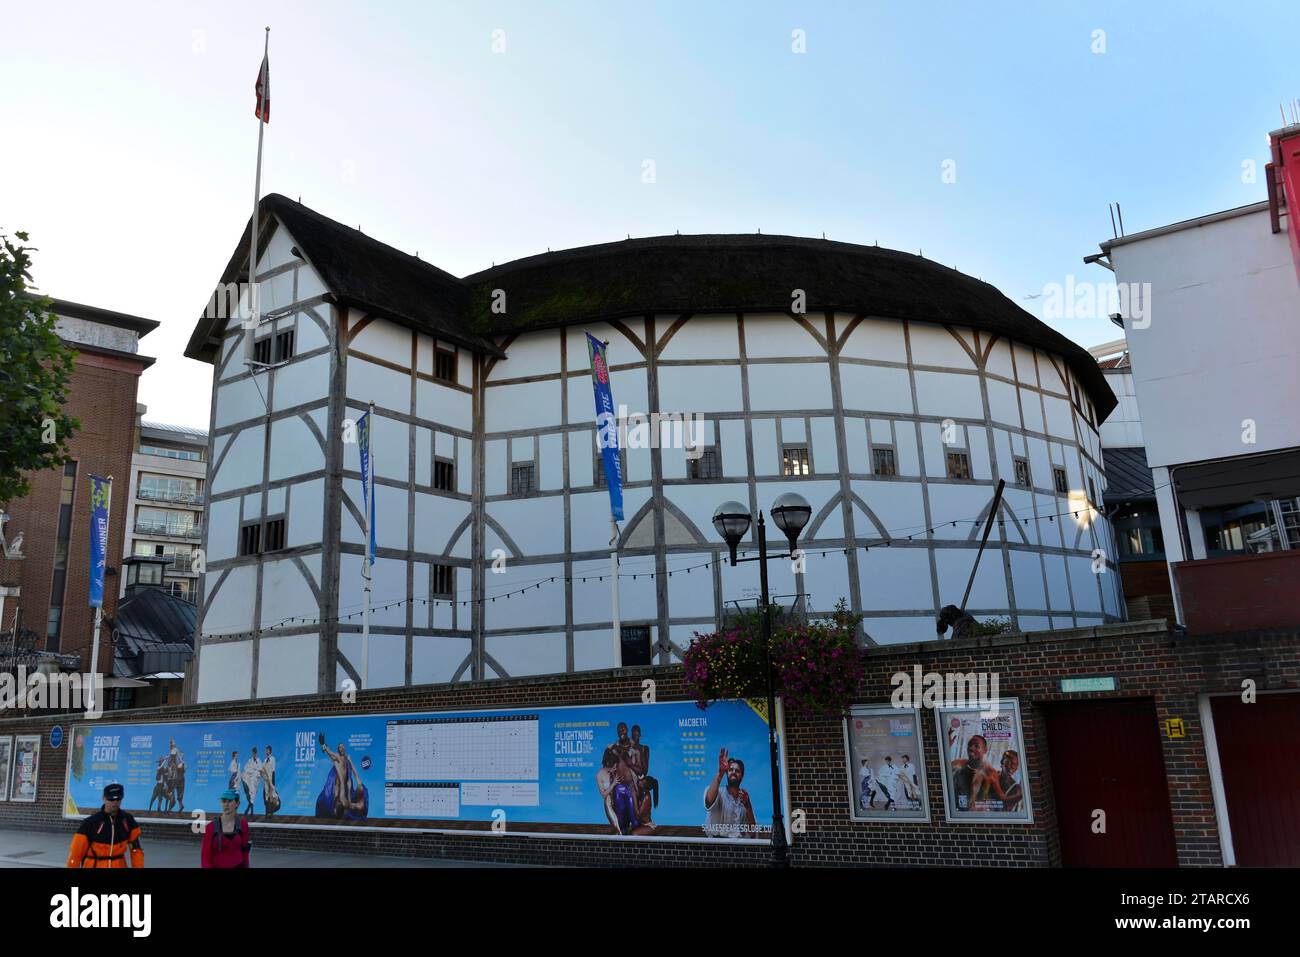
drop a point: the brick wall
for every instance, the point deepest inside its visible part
(102, 396)
(1239, 592)
(1148, 661)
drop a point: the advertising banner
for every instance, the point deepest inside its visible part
(6, 759)
(27, 766)
(367, 481)
(985, 777)
(606, 426)
(620, 770)
(886, 764)
(101, 492)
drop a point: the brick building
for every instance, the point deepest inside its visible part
(1185, 771)
(53, 575)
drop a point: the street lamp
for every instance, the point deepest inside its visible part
(790, 512)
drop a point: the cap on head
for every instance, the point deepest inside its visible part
(114, 792)
(229, 794)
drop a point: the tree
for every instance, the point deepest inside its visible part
(35, 368)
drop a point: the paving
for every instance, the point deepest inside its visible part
(23, 848)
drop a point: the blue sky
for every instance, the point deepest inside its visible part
(133, 165)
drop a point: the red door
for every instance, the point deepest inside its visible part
(1261, 779)
(1105, 755)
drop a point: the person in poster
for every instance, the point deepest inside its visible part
(988, 779)
(344, 794)
(911, 782)
(270, 796)
(26, 758)
(160, 786)
(730, 813)
(638, 757)
(252, 778)
(234, 770)
(867, 789)
(6, 752)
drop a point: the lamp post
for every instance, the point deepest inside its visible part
(790, 513)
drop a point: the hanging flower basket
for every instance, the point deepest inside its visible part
(816, 666)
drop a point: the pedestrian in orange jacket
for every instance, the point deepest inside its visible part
(104, 838)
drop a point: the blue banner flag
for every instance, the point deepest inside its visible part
(367, 481)
(101, 492)
(606, 426)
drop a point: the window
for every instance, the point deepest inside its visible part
(163, 521)
(262, 351)
(523, 479)
(284, 346)
(444, 580)
(704, 466)
(1058, 477)
(54, 620)
(635, 641)
(882, 461)
(598, 468)
(1022, 472)
(795, 461)
(444, 475)
(166, 488)
(250, 538)
(958, 465)
(187, 454)
(274, 538)
(444, 365)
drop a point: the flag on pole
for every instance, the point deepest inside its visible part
(101, 493)
(367, 484)
(263, 90)
(606, 426)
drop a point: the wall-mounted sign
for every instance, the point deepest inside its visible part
(1074, 685)
(27, 766)
(665, 770)
(985, 774)
(56, 736)
(886, 764)
(1175, 728)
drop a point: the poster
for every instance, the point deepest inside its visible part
(6, 756)
(606, 771)
(986, 777)
(27, 765)
(886, 764)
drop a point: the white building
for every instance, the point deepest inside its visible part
(165, 498)
(1213, 364)
(893, 404)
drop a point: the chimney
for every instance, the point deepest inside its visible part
(1283, 178)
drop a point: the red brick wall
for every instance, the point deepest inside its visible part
(102, 396)
(1240, 592)
(1147, 661)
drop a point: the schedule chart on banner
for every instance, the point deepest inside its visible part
(488, 748)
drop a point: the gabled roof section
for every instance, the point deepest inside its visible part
(636, 277)
(359, 271)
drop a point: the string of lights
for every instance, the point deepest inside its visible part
(536, 585)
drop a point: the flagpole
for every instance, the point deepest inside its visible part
(613, 594)
(366, 572)
(254, 299)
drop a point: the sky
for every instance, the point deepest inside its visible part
(989, 137)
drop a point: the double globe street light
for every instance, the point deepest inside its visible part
(790, 513)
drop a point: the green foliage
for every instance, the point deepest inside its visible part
(816, 666)
(994, 626)
(35, 368)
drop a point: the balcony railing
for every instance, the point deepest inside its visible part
(166, 495)
(175, 530)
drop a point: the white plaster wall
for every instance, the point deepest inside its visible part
(537, 354)
(532, 654)
(239, 401)
(776, 337)
(242, 465)
(876, 389)
(223, 530)
(227, 671)
(781, 385)
(879, 339)
(295, 449)
(287, 665)
(528, 405)
(369, 382)
(699, 388)
(435, 659)
(705, 337)
(300, 381)
(231, 609)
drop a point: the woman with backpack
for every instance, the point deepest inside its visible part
(225, 842)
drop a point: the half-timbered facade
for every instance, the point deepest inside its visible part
(891, 392)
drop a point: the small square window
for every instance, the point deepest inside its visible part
(958, 465)
(704, 466)
(1022, 472)
(795, 461)
(523, 479)
(444, 365)
(444, 581)
(274, 538)
(262, 351)
(1061, 482)
(250, 538)
(444, 475)
(883, 462)
(284, 346)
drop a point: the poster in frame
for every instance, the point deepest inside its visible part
(26, 768)
(6, 759)
(885, 757)
(982, 757)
